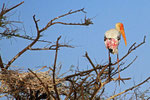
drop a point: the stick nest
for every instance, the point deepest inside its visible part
(16, 82)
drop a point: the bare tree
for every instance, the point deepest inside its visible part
(88, 84)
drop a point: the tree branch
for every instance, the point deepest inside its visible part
(131, 49)
(115, 72)
(70, 12)
(52, 47)
(26, 48)
(128, 89)
(87, 21)
(4, 10)
(83, 73)
(22, 36)
(86, 55)
(54, 68)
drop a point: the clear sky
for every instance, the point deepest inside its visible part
(134, 14)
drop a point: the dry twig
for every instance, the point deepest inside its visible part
(22, 36)
(41, 30)
(51, 22)
(4, 10)
(26, 48)
(86, 55)
(54, 68)
(43, 84)
(129, 89)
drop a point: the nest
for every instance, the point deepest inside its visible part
(13, 82)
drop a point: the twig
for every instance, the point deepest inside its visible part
(82, 73)
(97, 79)
(38, 35)
(115, 72)
(7, 10)
(128, 89)
(52, 47)
(60, 45)
(80, 86)
(71, 90)
(86, 55)
(42, 48)
(55, 88)
(96, 91)
(87, 21)
(86, 24)
(129, 51)
(22, 36)
(45, 86)
(26, 48)
(131, 47)
(1, 63)
(4, 11)
(70, 12)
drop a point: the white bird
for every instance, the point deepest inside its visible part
(112, 38)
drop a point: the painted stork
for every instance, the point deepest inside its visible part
(112, 38)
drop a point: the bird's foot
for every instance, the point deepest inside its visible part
(122, 79)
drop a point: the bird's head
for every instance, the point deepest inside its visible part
(120, 28)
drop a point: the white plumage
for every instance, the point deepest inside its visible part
(112, 33)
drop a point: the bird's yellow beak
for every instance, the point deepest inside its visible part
(120, 27)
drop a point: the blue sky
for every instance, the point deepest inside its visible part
(134, 14)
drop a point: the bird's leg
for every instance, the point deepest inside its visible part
(119, 78)
(109, 70)
(118, 66)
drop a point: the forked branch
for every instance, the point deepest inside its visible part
(131, 49)
(87, 21)
(27, 47)
(4, 10)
